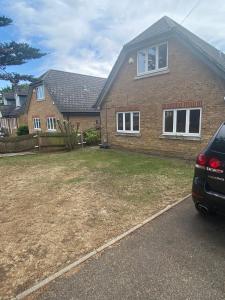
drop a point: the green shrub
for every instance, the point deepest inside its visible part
(92, 137)
(23, 130)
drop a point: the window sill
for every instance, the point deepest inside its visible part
(51, 130)
(128, 134)
(156, 73)
(180, 137)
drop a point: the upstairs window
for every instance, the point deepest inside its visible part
(185, 122)
(40, 92)
(152, 59)
(128, 122)
(51, 124)
(37, 123)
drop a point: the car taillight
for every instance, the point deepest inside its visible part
(202, 160)
(215, 163)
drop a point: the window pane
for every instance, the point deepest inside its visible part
(127, 121)
(162, 56)
(48, 123)
(181, 120)
(194, 121)
(136, 121)
(218, 144)
(151, 58)
(120, 121)
(141, 61)
(40, 92)
(169, 121)
(53, 123)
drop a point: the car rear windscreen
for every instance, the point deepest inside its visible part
(218, 144)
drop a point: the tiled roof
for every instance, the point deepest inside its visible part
(11, 95)
(73, 92)
(9, 111)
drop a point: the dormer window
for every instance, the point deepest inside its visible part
(152, 59)
(40, 92)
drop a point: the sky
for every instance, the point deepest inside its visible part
(86, 36)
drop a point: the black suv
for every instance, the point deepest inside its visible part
(208, 190)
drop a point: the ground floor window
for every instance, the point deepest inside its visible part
(182, 121)
(37, 123)
(128, 122)
(51, 124)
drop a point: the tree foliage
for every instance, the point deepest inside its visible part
(14, 54)
(15, 78)
(8, 88)
(4, 21)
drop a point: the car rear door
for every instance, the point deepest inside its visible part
(215, 171)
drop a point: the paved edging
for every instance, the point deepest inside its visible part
(94, 252)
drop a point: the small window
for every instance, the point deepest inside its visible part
(37, 123)
(51, 124)
(141, 61)
(128, 122)
(136, 121)
(168, 121)
(120, 121)
(162, 59)
(40, 95)
(182, 121)
(194, 121)
(152, 59)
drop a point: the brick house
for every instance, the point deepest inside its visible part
(13, 110)
(63, 95)
(165, 93)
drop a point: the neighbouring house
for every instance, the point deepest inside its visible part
(59, 95)
(13, 111)
(165, 93)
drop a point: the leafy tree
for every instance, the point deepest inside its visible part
(8, 88)
(14, 54)
(4, 21)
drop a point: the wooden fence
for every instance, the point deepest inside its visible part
(41, 142)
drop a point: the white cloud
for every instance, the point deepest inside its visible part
(86, 36)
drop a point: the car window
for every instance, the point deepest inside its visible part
(218, 144)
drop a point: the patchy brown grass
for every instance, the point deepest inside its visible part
(56, 207)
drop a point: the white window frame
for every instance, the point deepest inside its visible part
(51, 122)
(157, 69)
(40, 96)
(186, 133)
(131, 122)
(37, 121)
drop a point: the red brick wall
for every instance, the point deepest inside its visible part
(189, 83)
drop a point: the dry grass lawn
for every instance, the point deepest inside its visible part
(56, 207)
